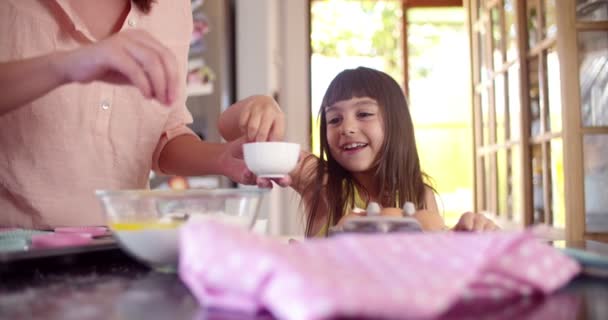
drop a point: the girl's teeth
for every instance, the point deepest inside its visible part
(353, 146)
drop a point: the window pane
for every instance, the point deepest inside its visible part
(550, 26)
(436, 39)
(510, 30)
(592, 10)
(593, 53)
(595, 149)
(499, 103)
(516, 186)
(558, 205)
(554, 95)
(533, 37)
(485, 117)
(483, 62)
(484, 46)
(534, 95)
(503, 185)
(497, 38)
(537, 184)
(487, 183)
(514, 105)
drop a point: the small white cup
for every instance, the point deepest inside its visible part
(271, 159)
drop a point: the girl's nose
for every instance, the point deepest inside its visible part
(348, 125)
(348, 130)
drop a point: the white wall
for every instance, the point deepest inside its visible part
(272, 56)
(256, 43)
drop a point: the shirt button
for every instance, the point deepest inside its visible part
(105, 105)
(132, 22)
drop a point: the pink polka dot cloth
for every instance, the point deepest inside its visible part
(403, 275)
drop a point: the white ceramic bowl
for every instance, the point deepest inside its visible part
(271, 159)
(146, 222)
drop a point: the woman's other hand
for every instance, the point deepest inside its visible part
(471, 221)
(258, 118)
(261, 119)
(130, 57)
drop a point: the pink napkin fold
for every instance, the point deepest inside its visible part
(406, 275)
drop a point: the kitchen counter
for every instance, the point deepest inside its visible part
(109, 285)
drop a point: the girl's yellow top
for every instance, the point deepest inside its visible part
(359, 203)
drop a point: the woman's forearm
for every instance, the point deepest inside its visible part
(187, 155)
(26, 80)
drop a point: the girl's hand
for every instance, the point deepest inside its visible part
(129, 57)
(285, 181)
(262, 119)
(392, 212)
(470, 221)
(267, 183)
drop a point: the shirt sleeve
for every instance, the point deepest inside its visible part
(176, 126)
(179, 117)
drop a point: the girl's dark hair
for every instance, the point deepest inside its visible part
(398, 171)
(144, 5)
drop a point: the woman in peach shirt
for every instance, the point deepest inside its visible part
(93, 97)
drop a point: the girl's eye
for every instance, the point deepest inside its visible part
(333, 120)
(365, 114)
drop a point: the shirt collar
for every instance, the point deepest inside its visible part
(79, 26)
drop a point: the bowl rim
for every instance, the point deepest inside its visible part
(186, 193)
(271, 143)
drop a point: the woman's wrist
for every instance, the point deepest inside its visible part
(59, 65)
(219, 164)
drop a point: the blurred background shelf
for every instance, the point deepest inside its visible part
(210, 83)
(199, 89)
(211, 76)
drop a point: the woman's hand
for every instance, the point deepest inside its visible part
(232, 163)
(261, 119)
(470, 221)
(129, 57)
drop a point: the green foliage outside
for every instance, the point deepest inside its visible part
(359, 28)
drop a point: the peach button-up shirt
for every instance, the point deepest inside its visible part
(57, 150)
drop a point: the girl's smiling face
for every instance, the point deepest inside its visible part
(355, 133)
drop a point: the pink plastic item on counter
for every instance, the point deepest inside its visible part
(401, 275)
(93, 231)
(58, 240)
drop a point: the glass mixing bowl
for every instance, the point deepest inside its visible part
(146, 222)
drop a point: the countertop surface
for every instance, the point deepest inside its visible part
(107, 284)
